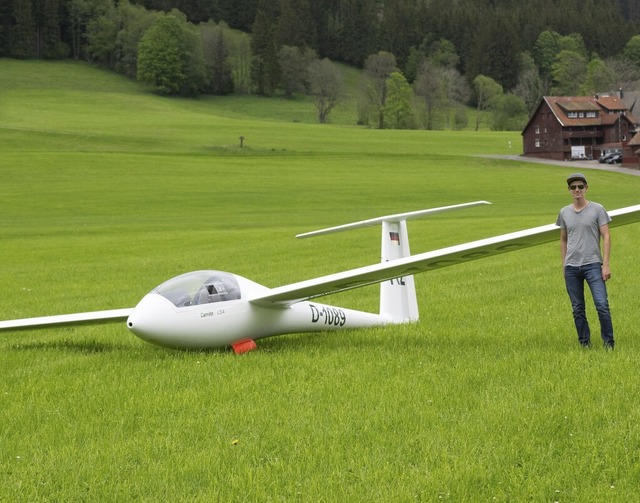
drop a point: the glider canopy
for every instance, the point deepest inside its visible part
(200, 287)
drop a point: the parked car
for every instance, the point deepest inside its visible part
(615, 159)
(604, 158)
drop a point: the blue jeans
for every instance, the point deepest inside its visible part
(574, 278)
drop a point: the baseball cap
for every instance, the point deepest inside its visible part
(577, 176)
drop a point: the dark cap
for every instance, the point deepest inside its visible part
(576, 176)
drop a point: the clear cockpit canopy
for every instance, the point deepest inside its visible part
(200, 287)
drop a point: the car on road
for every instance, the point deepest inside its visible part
(614, 159)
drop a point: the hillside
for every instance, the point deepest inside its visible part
(78, 99)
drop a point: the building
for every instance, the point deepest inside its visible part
(578, 127)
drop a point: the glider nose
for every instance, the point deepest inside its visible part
(149, 319)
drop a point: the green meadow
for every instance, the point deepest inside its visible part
(106, 191)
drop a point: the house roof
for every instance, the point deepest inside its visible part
(577, 105)
(635, 141)
(562, 105)
(608, 109)
(632, 101)
(611, 103)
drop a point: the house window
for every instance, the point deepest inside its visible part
(572, 115)
(537, 129)
(591, 114)
(537, 143)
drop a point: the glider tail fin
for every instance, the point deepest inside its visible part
(398, 300)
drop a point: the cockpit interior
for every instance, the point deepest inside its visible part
(200, 287)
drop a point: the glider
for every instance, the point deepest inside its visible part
(210, 309)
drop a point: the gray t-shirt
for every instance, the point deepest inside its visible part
(583, 233)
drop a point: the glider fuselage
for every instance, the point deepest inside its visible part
(157, 320)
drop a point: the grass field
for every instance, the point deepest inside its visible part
(107, 191)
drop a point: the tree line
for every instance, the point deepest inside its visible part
(423, 61)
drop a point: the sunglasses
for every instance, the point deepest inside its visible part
(574, 187)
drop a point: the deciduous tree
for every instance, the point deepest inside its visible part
(325, 84)
(569, 72)
(509, 113)
(377, 69)
(545, 50)
(113, 33)
(631, 51)
(133, 22)
(170, 57)
(398, 109)
(599, 78)
(294, 62)
(487, 92)
(429, 86)
(457, 93)
(95, 25)
(240, 60)
(626, 76)
(216, 52)
(529, 86)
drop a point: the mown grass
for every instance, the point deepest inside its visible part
(107, 191)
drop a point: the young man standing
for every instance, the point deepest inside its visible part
(583, 225)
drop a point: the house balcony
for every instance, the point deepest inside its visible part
(582, 134)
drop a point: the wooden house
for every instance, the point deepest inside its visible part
(577, 127)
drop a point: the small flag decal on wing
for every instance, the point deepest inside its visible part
(395, 237)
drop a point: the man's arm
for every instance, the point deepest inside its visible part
(606, 251)
(563, 244)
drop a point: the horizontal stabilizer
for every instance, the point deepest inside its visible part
(399, 217)
(68, 319)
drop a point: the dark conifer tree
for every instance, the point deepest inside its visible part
(265, 73)
(358, 30)
(220, 71)
(24, 31)
(495, 49)
(239, 14)
(51, 45)
(399, 28)
(323, 12)
(6, 10)
(295, 25)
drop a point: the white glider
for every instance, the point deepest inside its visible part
(209, 309)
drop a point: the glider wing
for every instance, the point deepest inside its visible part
(68, 319)
(363, 276)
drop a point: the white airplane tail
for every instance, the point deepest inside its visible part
(398, 301)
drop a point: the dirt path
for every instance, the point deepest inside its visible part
(570, 165)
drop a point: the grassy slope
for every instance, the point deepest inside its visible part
(107, 191)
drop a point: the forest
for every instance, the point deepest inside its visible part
(498, 55)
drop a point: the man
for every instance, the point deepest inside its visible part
(583, 225)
